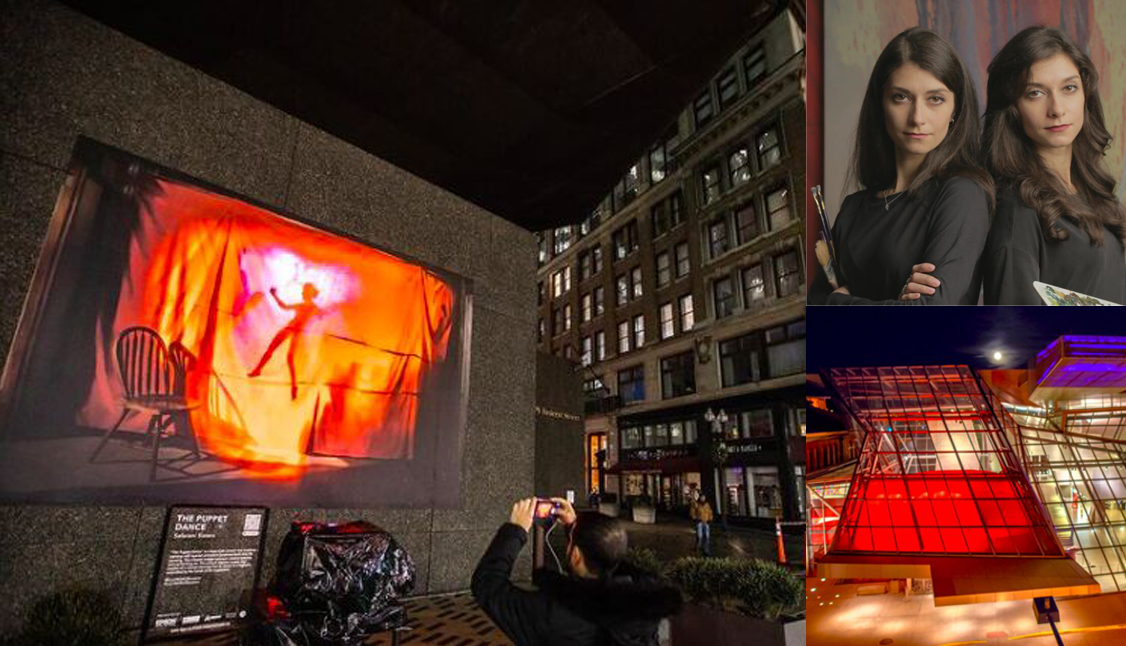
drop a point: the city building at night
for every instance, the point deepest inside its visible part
(995, 484)
(683, 293)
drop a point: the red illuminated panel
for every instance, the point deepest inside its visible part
(936, 474)
(305, 342)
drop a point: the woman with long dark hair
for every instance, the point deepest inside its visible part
(1058, 220)
(923, 213)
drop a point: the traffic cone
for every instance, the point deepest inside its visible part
(781, 546)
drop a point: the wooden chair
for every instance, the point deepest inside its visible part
(154, 384)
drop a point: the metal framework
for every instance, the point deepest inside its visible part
(937, 473)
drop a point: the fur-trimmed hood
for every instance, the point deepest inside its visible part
(628, 605)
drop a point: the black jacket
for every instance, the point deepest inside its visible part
(622, 611)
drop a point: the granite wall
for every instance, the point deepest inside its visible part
(560, 448)
(62, 75)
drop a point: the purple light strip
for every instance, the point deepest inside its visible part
(1048, 371)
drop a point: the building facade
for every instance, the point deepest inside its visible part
(684, 293)
(1058, 425)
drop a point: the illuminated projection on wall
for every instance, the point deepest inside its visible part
(178, 338)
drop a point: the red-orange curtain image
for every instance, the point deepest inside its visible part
(302, 340)
(270, 347)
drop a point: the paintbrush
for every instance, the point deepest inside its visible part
(826, 253)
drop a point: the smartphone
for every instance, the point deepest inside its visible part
(545, 508)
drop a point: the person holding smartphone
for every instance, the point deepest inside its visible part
(602, 600)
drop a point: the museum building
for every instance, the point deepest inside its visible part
(995, 484)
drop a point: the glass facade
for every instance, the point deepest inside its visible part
(947, 468)
(937, 474)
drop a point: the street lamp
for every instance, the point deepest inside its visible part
(719, 422)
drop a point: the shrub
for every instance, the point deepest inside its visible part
(746, 586)
(646, 560)
(72, 617)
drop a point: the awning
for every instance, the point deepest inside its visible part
(664, 466)
(961, 580)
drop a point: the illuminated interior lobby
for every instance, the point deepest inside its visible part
(994, 485)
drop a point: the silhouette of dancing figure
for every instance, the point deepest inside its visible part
(303, 313)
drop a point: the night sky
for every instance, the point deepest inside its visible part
(886, 336)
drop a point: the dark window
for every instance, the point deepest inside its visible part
(657, 163)
(664, 269)
(787, 274)
(556, 321)
(585, 266)
(625, 240)
(718, 243)
(754, 287)
(593, 385)
(769, 148)
(778, 208)
(541, 242)
(746, 223)
(709, 184)
(739, 360)
(631, 384)
(678, 375)
(703, 109)
(683, 265)
(676, 209)
(754, 66)
(739, 166)
(728, 86)
(635, 282)
(540, 331)
(631, 437)
(724, 297)
(539, 299)
(756, 423)
(599, 301)
(587, 356)
(785, 349)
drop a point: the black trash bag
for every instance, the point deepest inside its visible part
(338, 583)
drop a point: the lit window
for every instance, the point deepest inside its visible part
(635, 280)
(622, 283)
(587, 351)
(623, 337)
(687, 318)
(587, 308)
(600, 345)
(709, 183)
(778, 208)
(754, 288)
(664, 269)
(718, 242)
(666, 321)
(769, 148)
(739, 166)
(638, 331)
(599, 301)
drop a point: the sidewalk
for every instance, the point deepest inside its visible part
(673, 537)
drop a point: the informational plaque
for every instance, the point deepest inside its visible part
(208, 570)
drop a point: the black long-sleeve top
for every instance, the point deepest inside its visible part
(1018, 254)
(945, 223)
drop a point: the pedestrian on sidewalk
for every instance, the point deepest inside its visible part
(701, 512)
